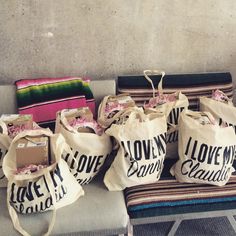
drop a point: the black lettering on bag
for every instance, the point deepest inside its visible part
(194, 171)
(137, 150)
(229, 154)
(54, 174)
(146, 148)
(159, 144)
(133, 168)
(84, 181)
(174, 115)
(226, 123)
(187, 147)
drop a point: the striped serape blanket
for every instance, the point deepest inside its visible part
(44, 97)
(168, 196)
(192, 85)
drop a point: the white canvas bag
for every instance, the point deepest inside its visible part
(223, 112)
(206, 152)
(89, 150)
(4, 145)
(172, 111)
(5, 142)
(47, 189)
(142, 149)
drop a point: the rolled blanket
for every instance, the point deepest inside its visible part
(44, 97)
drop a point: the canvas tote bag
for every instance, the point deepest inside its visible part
(223, 112)
(172, 111)
(47, 189)
(5, 142)
(142, 149)
(89, 150)
(4, 145)
(206, 152)
(104, 121)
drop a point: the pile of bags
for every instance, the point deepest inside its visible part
(54, 166)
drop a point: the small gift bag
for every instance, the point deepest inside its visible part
(111, 108)
(221, 107)
(4, 145)
(89, 150)
(141, 152)
(171, 105)
(206, 150)
(48, 188)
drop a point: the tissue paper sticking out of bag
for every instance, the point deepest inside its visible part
(81, 120)
(117, 103)
(219, 96)
(17, 123)
(29, 169)
(161, 99)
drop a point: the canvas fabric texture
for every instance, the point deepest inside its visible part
(223, 112)
(142, 149)
(47, 189)
(5, 142)
(88, 151)
(204, 156)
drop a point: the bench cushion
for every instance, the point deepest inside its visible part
(99, 212)
(169, 197)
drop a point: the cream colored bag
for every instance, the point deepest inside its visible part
(4, 145)
(206, 152)
(47, 189)
(172, 111)
(89, 150)
(142, 149)
(223, 112)
(104, 121)
(5, 142)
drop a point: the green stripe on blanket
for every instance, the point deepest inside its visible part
(47, 92)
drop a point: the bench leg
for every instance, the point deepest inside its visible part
(174, 227)
(232, 222)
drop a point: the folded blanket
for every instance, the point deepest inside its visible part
(44, 97)
(192, 85)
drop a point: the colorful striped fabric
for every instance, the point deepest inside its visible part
(168, 193)
(44, 97)
(192, 85)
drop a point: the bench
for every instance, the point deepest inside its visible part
(168, 200)
(99, 212)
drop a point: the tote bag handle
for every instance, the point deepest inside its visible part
(13, 213)
(154, 72)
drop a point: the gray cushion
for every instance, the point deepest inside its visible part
(99, 212)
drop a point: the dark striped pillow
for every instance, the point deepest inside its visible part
(192, 85)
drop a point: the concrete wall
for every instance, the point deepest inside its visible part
(106, 38)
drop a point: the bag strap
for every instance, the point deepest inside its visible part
(154, 72)
(134, 113)
(13, 213)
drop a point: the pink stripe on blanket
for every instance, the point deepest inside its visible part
(48, 112)
(30, 82)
